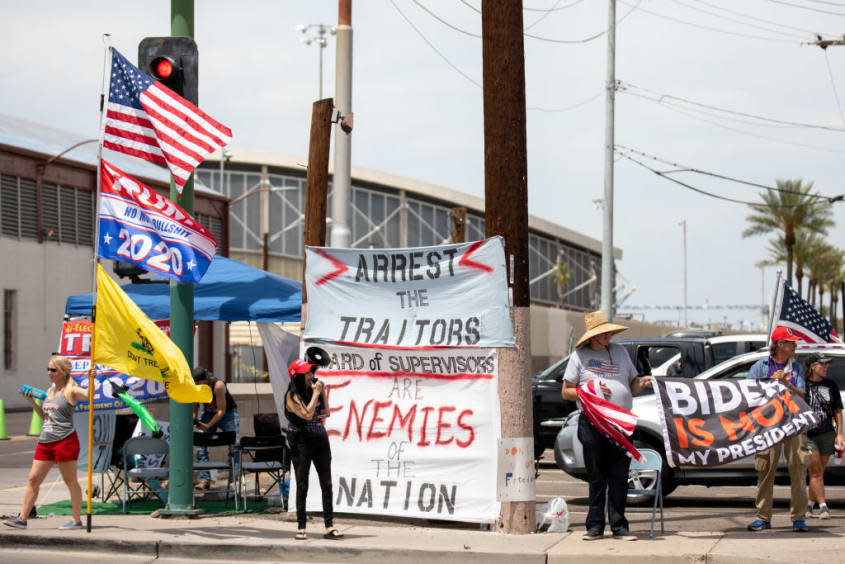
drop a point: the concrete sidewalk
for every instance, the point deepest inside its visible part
(271, 538)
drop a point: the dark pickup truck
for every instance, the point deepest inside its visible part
(692, 356)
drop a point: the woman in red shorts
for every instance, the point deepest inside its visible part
(58, 442)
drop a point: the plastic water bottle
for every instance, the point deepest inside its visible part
(34, 392)
(837, 456)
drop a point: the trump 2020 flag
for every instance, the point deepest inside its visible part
(128, 341)
(794, 313)
(147, 120)
(140, 226)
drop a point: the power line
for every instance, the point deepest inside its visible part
(717, 196)
(547, 10)
(476, 83)
(624, 85)
(436, 50)
(807, 8)
(537, 37)
(684, 168)
(544, 16)
(833, 84)
(710, 28)
(750, 17)
(749, 133)
(717, 15)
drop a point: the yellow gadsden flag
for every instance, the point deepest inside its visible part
(126, 340)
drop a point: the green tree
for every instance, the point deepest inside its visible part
(786, 211)
(806, 243)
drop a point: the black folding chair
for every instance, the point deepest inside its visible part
(216, 439)
(133, 473)
(268, 455)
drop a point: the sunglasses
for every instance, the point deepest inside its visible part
(51, 370)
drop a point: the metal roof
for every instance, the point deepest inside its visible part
(49, 141)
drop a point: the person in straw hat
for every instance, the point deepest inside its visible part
(596, 358)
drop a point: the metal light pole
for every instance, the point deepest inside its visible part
(320, 38)
(607, 274)
(225, 157)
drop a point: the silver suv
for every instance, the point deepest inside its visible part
(570, 458)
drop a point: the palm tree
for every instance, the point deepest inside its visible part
(821, 263)
(805, 242)
(787, 210)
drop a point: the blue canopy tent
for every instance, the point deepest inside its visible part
(229, 291)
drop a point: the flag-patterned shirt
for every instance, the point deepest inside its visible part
(612, 366)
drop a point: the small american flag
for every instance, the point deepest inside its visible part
(147, 120)
(601, 367)
(803, 319)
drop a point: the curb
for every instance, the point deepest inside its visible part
(304, 551)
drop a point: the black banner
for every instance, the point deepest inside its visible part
(712, 422)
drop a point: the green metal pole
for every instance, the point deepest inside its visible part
(180, 499)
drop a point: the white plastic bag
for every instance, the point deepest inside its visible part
(553, 516)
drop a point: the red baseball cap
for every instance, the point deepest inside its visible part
(299, 366)
(785, 334)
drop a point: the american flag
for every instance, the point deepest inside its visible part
(147, 120)
(601, 367)
(795, 313)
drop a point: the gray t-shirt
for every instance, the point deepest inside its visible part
(612, 366)
(58, 419)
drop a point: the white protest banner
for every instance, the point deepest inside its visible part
(516, 481)
(412, 433)
(445, 296)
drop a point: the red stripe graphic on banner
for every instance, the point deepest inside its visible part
(373, 374)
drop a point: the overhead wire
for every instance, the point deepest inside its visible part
(833, 84)
(799, 6)
(684, 168)
(759, 19)
(536, 37)
(476, 83)
(524, 9)
(713, 195)
(624, 85)
(760, 27)
(543, 17)
(711, 28)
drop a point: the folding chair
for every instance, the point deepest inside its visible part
(219, 438)
(267, 455)
(653, 466)
(143, 446)
(124, 425)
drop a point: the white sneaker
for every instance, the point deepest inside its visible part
(809, 514)
(824, 513)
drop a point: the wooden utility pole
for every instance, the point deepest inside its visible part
(317, 181)
(459, 225)
(506, 214)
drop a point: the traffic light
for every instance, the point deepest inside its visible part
(173, 61)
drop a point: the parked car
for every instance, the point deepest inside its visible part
(569, 454)
(673, 357)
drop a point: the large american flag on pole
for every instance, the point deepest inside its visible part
(147, 120)
(804, 320)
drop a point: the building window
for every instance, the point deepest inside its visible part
(9, 333)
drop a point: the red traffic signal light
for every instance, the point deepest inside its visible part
(162, 68)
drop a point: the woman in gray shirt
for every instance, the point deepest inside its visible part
(58, 443)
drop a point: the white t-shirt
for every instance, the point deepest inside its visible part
(612, 366)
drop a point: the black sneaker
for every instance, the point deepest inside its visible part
(593, 534)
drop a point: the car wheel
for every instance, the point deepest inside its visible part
(647, 479)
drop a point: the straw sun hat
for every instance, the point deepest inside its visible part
(597, 324)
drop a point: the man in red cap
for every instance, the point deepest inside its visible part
(782, 365)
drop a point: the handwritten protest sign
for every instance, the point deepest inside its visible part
(75, 344)
(413, 433)
(712, 422)
(445, 296)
